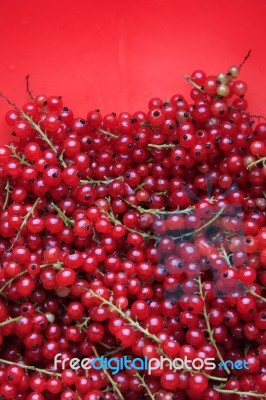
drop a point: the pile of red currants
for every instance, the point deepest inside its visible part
(139, 235)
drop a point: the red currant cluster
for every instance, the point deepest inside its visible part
(134, 234)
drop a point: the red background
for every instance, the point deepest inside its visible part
(115, 55)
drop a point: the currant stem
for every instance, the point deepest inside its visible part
(245, 58)
(36, 127)
(216, 216)
(110, 353)
(190, 80)
(84, 324)
(135, 324)
(22, 159)
(254, 163)
(158, 211)
(226, 257)
(145, 235)
(105, 346)
(107, 133)
(209, 330)
(78, 396)
(31, 368)
(43, 136)
(145, 386)
(9, 321)
(28, 87)
(25, 220)
(100, 182)
(8, 191)
(11, 103)
(56, 265)
(257, 295)
(113, 383)
(162, 146)
(67, 221)
(146, 333)
(252, 394)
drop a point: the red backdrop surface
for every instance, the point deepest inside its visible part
(116, 54)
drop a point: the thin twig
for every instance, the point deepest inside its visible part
(145, 235)
(24, 223)
(190, 80)
(28, 87)
(227, 257)
(43, 136)
(162, 146)
(11, 103)
(9, 321)
(236, 392)
(56, 265)
(245, 58)
(117, 350)
(257, 295)
(145, 386)
(35, 126)
(22, 158)
(133, 323)
(158, 211)
(216, 216)
(31, 368)
(67, 221)
(8, 191)
(245, 112)
(100, 182)
(107, 133)
(113, 383)
(209, 330)
(254, 163)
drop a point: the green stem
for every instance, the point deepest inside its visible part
(135, 324)
(190, 80)
(99, 182)
(67, 221)
(8, 191)
(9, 321)
(227, 258)
(44, 136)
(209, 330)
(254, 163)
(145, 235)
(146, 333)
(105, 346)
(252, 394)
(22, 159)
(113, 383)
(157, 211)
(31, 368)
(24, 223)
(84, 324)
(107, 133)
(56, 265)
(216, 216)
(117, 350)
(162, 146)
(257, 295)
(145, 386)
